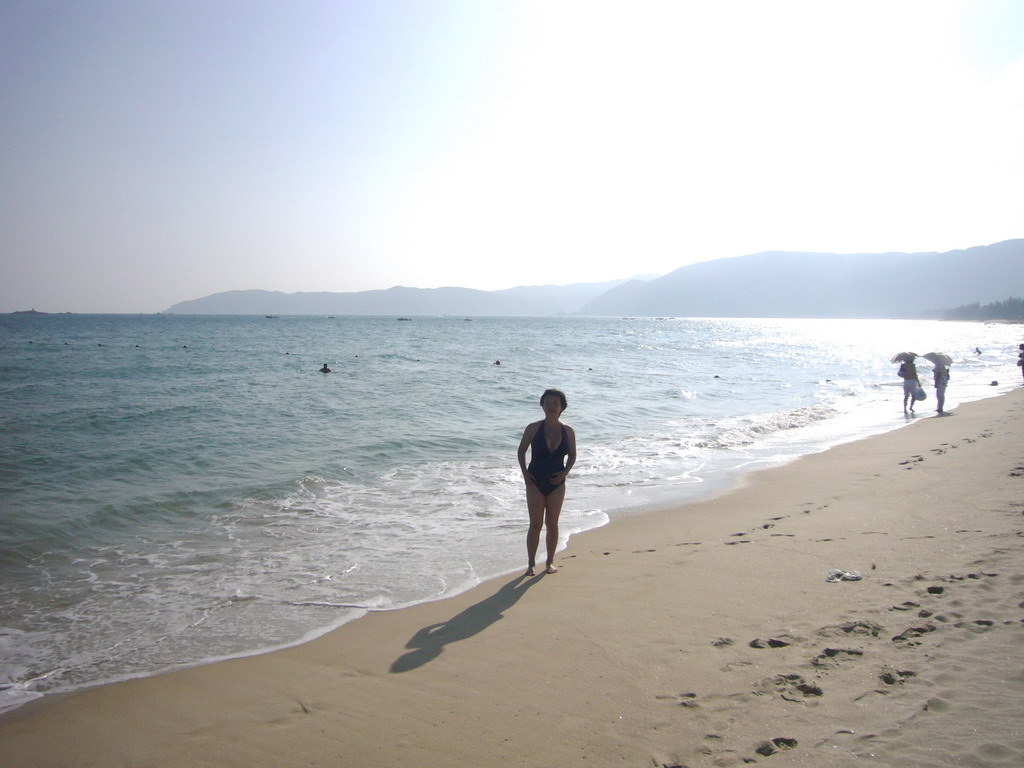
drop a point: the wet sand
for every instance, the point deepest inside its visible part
(703, 635)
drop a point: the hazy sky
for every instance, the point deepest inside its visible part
(153, 151)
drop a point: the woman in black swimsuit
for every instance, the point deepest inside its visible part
(552, 447)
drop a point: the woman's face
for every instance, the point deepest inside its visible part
(552, 404)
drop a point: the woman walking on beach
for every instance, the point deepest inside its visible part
(941, 375)
(910, 382)
(552, 447)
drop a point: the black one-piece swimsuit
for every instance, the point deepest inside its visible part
(545, 464)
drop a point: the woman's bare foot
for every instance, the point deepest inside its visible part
(551, 569)
(530, 571)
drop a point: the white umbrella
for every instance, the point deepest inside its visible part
(904, 357)
(939, 358)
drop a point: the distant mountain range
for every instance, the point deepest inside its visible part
(863, 285)
(524, 300)
(770, 284)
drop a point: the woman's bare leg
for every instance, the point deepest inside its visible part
(553, 508)
(535, 505)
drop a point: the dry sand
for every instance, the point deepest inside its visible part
(697, 636)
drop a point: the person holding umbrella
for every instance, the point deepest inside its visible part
(908, 371)
(940, 374)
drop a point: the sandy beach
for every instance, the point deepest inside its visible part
(705, 635)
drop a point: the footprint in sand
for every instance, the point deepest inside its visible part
(937, 704)
(913, 632)
(977, 626)
(867, 628)
(790, 687)
(734, 665)
(905, 606)
(895, 676)
(769, 643)
(809, 503)
(682, 699)
(779, 743)
(833, 657)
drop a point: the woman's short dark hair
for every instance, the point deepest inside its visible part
(557, 393)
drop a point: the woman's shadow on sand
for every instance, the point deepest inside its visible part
(429, 642)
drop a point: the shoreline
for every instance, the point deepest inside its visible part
(694, 635)
(731, 475)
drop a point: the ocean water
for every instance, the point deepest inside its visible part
(178, 489)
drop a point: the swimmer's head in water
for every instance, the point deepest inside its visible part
(554, 393)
